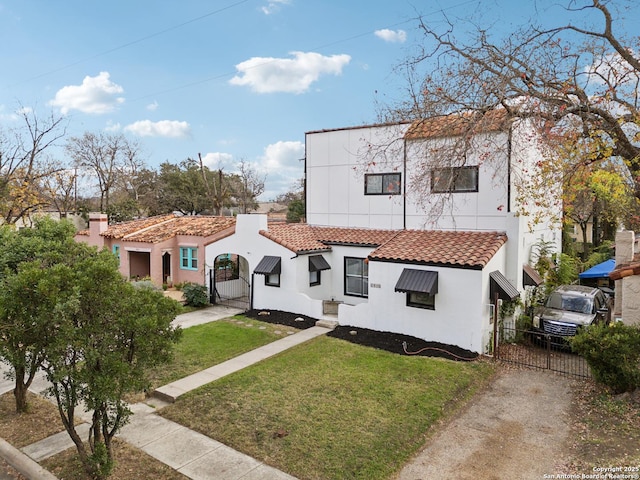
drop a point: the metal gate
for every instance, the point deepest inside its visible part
(542, 351)
(231, 291)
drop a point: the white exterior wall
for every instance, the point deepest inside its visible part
(294, 293)
(453, 321)
(335, 177)
(462, 314)
(485, 209)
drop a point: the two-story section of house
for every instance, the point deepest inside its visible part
(456, 172)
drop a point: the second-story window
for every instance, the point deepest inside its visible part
(454, 179)
(382, 184)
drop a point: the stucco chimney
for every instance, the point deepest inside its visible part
(98, 223)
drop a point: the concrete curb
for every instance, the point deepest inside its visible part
(21, 462)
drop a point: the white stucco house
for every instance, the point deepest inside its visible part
(395, 239)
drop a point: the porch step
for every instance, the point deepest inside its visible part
(327, 323)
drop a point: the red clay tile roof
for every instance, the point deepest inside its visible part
(119, 230)
(626, 269)
(158, 229)
(353, 236)
(297, 237)
(447, 248)
(458, 124)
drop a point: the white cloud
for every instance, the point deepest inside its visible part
(14, 115)
(113, 127)
(274, 5)
(217, 160)
(282, 164)
(393, 36)
(163, 128)
(153, 106)
(96, 95)
(291, 75)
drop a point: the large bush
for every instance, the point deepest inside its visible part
(613, 353)
(195, 295)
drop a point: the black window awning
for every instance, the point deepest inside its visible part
(530, 277)
(268, 265)
(318, 263)
(499, 284)
(421, 281)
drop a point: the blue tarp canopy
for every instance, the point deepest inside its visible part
(601, 270)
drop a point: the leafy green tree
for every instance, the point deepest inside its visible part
(181, 187)
(30, 290)
(613, 353)
(295, 211)
(107, 342)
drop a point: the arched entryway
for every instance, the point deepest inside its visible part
(229, 281)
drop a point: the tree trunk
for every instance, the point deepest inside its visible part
(585, 248)
(20, 394)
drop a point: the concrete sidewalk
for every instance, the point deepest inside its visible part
(190, 453)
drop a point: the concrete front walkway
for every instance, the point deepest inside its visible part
(194, 455)
(172, 391)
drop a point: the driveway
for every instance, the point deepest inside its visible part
(517, 428)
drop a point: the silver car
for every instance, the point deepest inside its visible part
(570, 307)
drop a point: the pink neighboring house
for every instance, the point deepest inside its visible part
(167, 248)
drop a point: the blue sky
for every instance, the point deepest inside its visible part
(230, 79)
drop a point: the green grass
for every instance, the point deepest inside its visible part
(329, 409)
(203, 346)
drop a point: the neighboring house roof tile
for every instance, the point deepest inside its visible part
(161, 228)
(626, 269)
(458, 124)
(436, 247)
(120, 230)
(448, 248)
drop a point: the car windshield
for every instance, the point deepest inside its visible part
(569, 303)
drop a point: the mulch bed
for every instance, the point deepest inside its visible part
(391, 342)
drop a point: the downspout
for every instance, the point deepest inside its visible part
(404, 186)
(509, 152)
(304, 179)
(253, 278)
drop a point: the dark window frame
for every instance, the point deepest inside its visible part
(318, 279)
(364, 278)
(411, 301)
(276, 280)
(453, 175)
(397, 181)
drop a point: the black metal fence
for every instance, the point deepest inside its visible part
(229, 291)
(538, 350)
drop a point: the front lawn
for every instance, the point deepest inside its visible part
(206, 345)
(330, 409)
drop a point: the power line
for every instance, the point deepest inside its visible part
(139, 40)
(321, 47)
